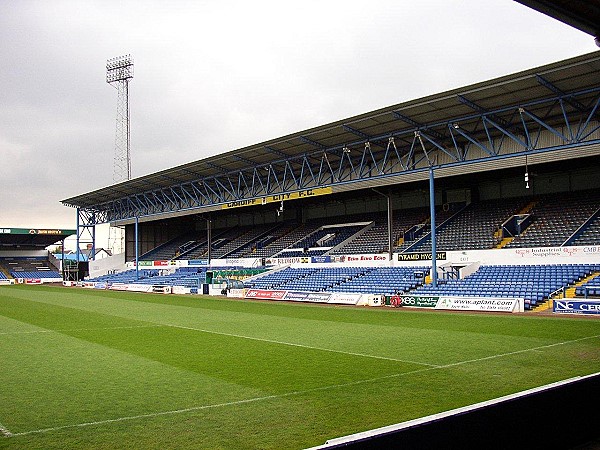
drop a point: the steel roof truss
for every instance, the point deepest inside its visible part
(572, 101)
(418, 126)
(594, 110)
(213, 196)
(243, 187)
(223, 190)
(192, 199)
(256, 181)
(293, 183)
(503, 130)
(182, 201)
(440, 147)
(455, 128)
(313, 179)
(330, 174)
(545, 125)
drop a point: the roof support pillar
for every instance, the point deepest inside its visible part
(433, 239)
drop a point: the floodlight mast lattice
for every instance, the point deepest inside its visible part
(119, 71)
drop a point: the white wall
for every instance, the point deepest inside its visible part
(103, 266)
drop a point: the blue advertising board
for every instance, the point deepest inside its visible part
(198, 262)
(321, 259)
(569, 306)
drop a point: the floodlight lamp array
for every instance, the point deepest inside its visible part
(119, 68)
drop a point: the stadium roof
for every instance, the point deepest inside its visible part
(581, 14)
(31, 238)
(577, 74)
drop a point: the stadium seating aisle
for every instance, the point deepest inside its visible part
(557, 217)
(475, 226)
(591, 234)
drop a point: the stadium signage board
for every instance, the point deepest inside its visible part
(458, 303)
(198, 262)
(417, 301)
(576, 306)
(265, 294)
(313, 297)
(305, 193)
(345, 298)
(320, 259)
(479, 303)
(420, 256)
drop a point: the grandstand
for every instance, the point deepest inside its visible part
(511, 165)
(24, 254)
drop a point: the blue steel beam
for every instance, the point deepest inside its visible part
(313, 143)
(484, 129)
(418, 126)
(547, 84)
(276, 152)
(464, 100)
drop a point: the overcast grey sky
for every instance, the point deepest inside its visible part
(216, 75)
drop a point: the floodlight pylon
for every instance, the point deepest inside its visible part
(119, 71)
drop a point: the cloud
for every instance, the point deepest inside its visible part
(212, 76)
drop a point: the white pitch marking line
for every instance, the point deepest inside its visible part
(5, 431)
(218, 405)
(516, 352)
(289, 394)
(81, 329)
(272, 341)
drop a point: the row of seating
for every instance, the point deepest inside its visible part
(28, 267)
(533, 283)
(589, 289)
(189, 277)
(36, 274)
(554, 219)
(380, 280)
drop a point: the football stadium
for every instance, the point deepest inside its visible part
(424, 275)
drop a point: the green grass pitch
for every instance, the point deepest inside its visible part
(98, 369)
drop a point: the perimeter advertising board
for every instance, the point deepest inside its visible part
(576, 306)
(459, 303)
(265, 294)
(479, 304)
(313, 297)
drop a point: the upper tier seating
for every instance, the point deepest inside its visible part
(375, 239)
(475, 226)
(173, 248)
(591, 234)
(245, 240)
(290, 234)
(556, 218)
